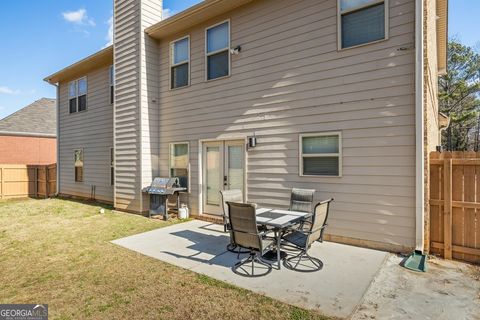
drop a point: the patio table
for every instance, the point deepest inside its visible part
(279, 220)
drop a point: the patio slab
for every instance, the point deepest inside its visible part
(199, 246)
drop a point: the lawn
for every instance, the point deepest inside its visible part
(58, 252)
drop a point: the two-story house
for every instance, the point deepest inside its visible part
(340, 96)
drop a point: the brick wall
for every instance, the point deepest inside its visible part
(27, 150)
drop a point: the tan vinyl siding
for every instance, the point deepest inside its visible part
(92, 131)
(289, 79)
(151, 14)
(126, 119)
(136, 109)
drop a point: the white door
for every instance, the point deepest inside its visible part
(223, 169)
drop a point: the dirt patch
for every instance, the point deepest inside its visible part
(448, 290)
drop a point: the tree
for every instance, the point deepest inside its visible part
(459, 97)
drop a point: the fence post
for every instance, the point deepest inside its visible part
(46, 181)
(447, 209)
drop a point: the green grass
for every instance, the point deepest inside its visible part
(59, 252)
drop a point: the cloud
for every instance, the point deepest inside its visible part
(167, 13)
(7, 90)
(79, 17)
(109, 36)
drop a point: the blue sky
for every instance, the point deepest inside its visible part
(40, 37)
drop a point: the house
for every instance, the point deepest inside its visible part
(29, 136)
(339, 95)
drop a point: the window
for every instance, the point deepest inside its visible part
(179, 162)
(321, 154)
(112, 166)
(77, 95)
(362, 21)
(180, 62)
(112, 83)
(218, 51)
(78, 154)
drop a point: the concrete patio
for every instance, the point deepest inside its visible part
(199, 246)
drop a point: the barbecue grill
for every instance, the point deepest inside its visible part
(159, 190)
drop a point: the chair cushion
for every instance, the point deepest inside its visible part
(297, 238)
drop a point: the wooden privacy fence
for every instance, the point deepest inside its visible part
(18, 181)
(455, 205)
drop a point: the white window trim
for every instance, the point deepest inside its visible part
(178, 64)
(111, 75)
(112, 165)
(339, 154)
(207, 54)
(75, 167)
(77, 95)
(360, 7)
(188, 160)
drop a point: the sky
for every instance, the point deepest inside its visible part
(40, 37)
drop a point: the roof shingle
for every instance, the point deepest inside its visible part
(38, 118)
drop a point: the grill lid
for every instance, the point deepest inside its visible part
(164, 186)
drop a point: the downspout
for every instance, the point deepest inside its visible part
(419, 130)
(57, 103)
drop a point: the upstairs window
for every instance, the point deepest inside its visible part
(321, 154)
(180, 62)
(362, 21)
(179, 162)
(77, 95)
(111, 72)
(218, 51)
(78, 161)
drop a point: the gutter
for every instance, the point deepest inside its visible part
(419, 130)
(27, 134)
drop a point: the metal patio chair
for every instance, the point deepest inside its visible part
(234, 195)
(301, 200)
(245, 234)
(303, 239)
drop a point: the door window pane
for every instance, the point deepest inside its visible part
(217, 37)
(235, 167)
(363, 26)
(218, 65)
(213, 175)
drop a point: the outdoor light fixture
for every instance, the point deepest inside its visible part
(252, 142)
(236, 50)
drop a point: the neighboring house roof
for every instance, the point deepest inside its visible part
(92, 62)
(36, 119)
